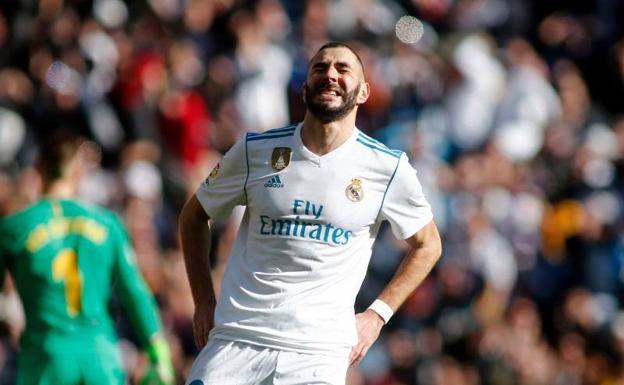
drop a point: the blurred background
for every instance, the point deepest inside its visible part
(512, 111)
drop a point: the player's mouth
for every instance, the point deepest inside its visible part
(329, 93)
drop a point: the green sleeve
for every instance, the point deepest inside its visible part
(136, 299)
(4, 254)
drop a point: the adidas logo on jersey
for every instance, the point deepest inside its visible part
(274, 182)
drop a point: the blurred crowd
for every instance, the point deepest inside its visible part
(512, 111)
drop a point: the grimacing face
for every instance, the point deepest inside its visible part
(333, 85)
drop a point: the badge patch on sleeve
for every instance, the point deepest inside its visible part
(354, 190)
(280, 158)
(213, 174)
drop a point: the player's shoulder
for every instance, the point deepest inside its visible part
(377, 153)
(20, 218)
(17, 209)
(270, 137)
(270, 143)
(75, 207)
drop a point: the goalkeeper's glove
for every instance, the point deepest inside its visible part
(160, 370)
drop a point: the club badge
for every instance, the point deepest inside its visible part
(213, 174)
(354, 190)
(280, 159)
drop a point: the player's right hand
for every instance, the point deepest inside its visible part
(160, 371)
(203, 321)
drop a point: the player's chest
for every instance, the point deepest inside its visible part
(346, 194)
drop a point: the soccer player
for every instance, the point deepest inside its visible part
(66, 257)
(315, 195)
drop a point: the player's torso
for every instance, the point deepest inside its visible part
(60, 256)
(305, 242)
(342, 197)
(313, 203)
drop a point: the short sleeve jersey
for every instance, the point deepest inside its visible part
(307, 234)
(66, 259)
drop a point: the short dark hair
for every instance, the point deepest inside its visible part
(56, 153)
(339, 44)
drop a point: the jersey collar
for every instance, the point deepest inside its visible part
(322, 159)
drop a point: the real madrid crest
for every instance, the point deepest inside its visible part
(280, 159)
(354, 190)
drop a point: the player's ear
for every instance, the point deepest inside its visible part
(303, 91)
(364, 93)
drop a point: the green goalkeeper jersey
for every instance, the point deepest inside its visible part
(66, 259)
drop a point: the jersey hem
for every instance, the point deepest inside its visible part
(338, 351)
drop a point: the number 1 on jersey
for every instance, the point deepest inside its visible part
(65, 268)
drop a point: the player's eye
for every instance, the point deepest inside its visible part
(319, 68)
(343, 68)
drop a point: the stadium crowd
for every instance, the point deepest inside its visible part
(511, 111)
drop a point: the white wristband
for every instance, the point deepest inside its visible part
(382, 308)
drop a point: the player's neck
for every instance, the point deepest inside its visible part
(61, 189)
(322, 138)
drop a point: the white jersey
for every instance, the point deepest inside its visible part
(307, 234)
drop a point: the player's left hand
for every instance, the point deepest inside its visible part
(369, 326)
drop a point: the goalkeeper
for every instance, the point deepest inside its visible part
(67, 258)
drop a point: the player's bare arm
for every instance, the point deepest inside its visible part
(195, 238)
(425, 250)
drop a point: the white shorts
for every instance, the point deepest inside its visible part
(224, 362)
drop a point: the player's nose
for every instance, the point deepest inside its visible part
(330, 74)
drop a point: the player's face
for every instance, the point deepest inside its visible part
(333, 85)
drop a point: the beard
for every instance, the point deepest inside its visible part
(330, 114)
